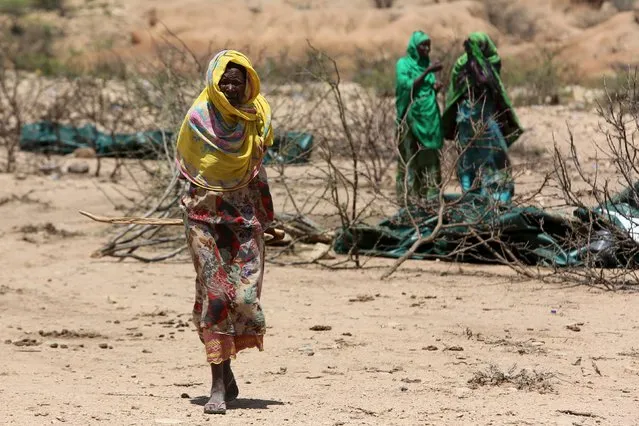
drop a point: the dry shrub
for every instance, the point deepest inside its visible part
(609, 231)
(538, 79)
(522, 380)
(28, 44)
(18, 8)
(512, 18)
(624, 5)
(588, 17)
(621, 87)
(283, 68)
(51, 5)
(595, 4)
(375, 73)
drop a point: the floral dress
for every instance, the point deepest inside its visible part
(224, 232)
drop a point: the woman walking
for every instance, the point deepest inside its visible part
(418, 120)
(227, 208)
(480, 115)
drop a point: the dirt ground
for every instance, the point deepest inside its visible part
(97, 341)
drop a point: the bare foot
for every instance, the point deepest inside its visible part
(232, 391)
(216, 404)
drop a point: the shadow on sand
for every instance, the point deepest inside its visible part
(240, 403)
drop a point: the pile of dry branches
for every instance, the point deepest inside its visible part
(349, 181)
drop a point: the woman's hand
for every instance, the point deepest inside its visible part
(478, 73)
(275, 234)
(436, 66)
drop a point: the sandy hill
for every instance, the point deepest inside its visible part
(593, 35)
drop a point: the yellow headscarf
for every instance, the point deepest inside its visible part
(221, 147)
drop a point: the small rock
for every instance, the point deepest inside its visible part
(84, 153)
(79, 168)
(116, 322)
(347, 334)
(430, 348)
(455, 349)
(185, 395)
(63, 346)
(146, 351)
(26, 342)
(321, 252)
(103, 346)
(7, 342)
(403, 388)
(321, 328)
(462, 393)
(307, 349)
(136, 37)
(573, 327)
(53, 345)
(49, 168)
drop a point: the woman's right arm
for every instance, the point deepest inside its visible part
(434, 67)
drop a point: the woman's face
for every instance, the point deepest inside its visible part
(233, 85)
(424, 49)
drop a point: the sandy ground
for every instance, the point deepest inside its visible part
(111, 343)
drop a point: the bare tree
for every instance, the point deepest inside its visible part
(607, 203)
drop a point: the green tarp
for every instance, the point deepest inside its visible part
(476, 230)
(54, 138)
(290, 148)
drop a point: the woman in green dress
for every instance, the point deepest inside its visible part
(418, 120)
(480, 116)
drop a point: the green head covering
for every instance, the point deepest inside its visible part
(484, 52)
(420, 109)
(482, 47)
(416, 39)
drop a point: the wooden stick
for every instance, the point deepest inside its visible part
(270, 234)
(129, 220)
